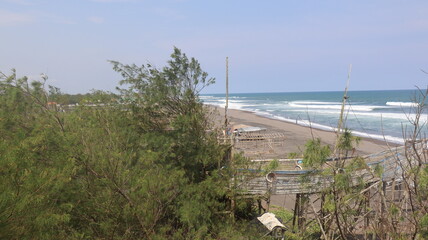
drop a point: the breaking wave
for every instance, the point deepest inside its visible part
(363, 108)
(402, 104)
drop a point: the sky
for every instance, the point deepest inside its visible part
(273, 46)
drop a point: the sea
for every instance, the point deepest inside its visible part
(381, 115)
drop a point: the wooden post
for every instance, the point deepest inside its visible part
(304, 198)
(367, 217)
(383, 206)
(296, 209)
(399, 191)
(301, 200)
(393, 191)
(383, 220)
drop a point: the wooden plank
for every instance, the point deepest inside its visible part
(290, 181)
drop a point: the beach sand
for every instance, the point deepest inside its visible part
(296, 136)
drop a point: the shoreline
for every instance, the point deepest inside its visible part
(296, 134)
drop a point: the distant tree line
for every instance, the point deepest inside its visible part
(76, 99)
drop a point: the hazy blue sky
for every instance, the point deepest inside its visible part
(273, 46)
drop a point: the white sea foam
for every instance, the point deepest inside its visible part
(236, 97)
(307, 123)
(233, 104)
(220, 97)
(361, 115)
(365, 108)
(373, 115)
(387, 138)
(325, 110)
(402, 104)
(316, 102)
(206, 97)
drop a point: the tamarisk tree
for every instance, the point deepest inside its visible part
(141, 164)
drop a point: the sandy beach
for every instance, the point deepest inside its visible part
(295, 138)
(296, 135)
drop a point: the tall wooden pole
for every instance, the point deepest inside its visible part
(230, 153)
(226, 123)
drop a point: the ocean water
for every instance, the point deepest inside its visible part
(372, 114)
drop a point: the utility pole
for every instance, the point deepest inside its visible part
(226, 122)
(230, 152)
